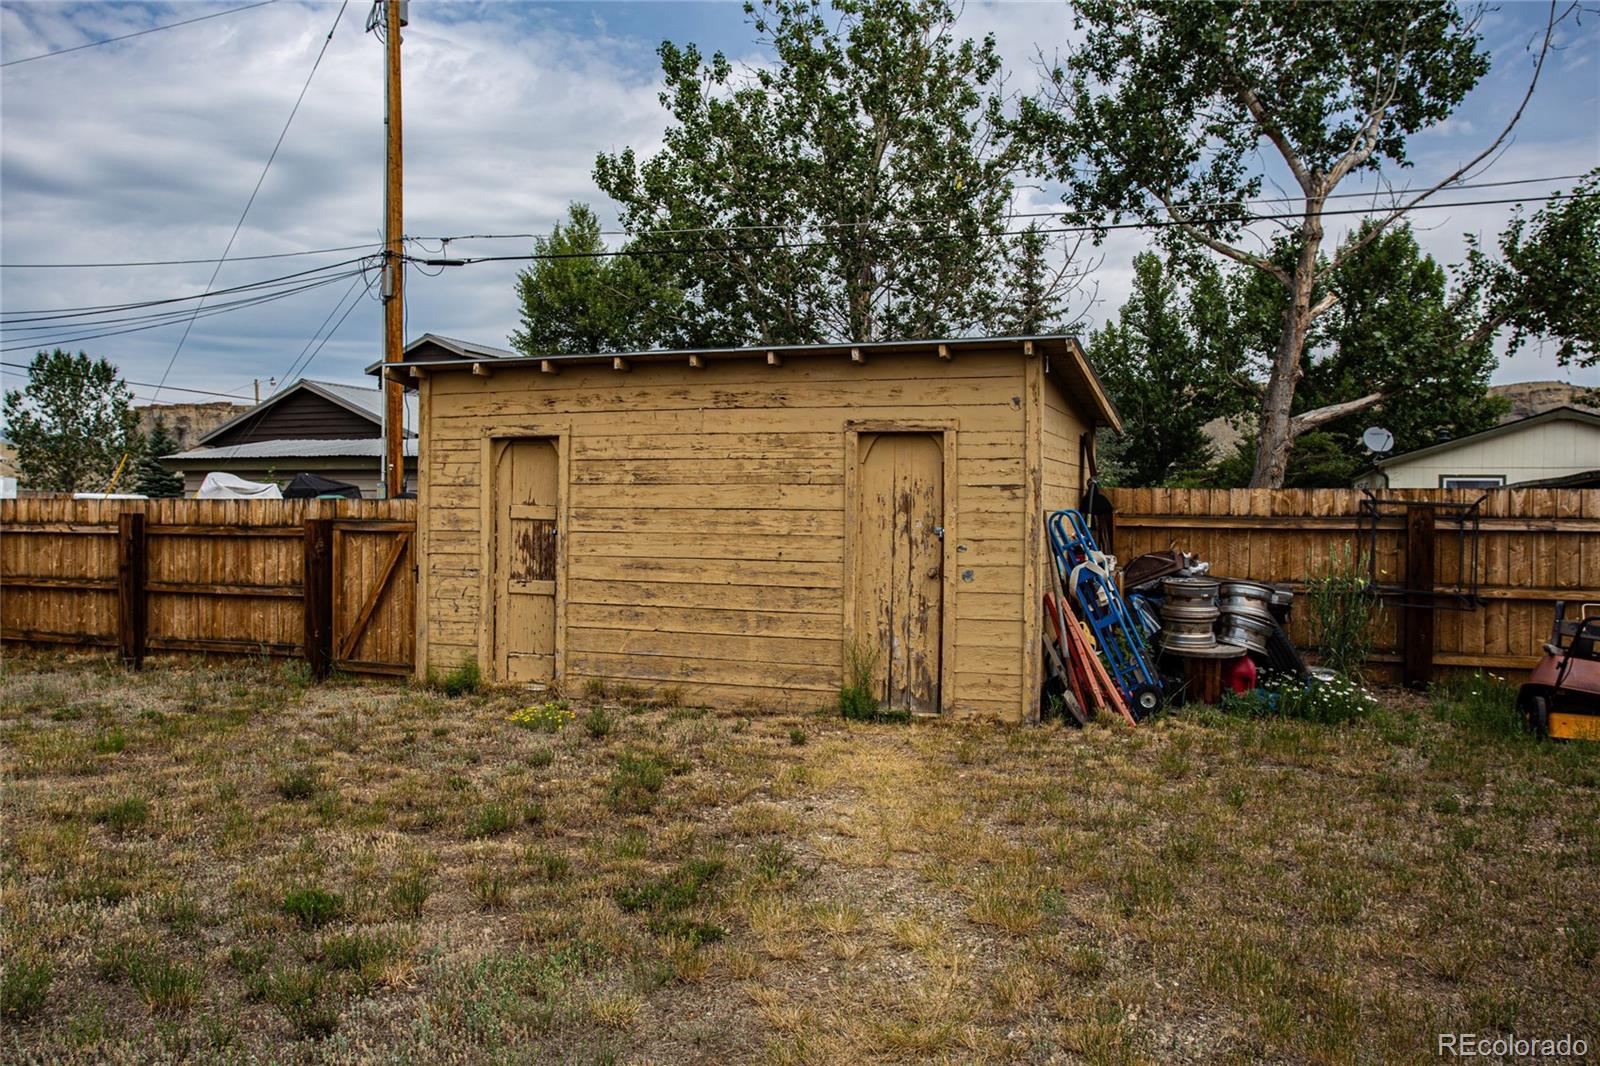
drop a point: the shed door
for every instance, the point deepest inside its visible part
(899, 564)
(526, 486)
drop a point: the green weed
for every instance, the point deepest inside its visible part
(23, 986)
(491, 820)
(123, 815)
(636, 780)
(313, 907)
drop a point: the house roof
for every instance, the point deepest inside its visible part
(365, 447)
(364, 401)
(1070, 367)
(1554, 414)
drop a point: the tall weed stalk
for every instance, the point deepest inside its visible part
(1344, 611)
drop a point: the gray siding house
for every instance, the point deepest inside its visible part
(316, 427)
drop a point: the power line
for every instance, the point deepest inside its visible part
(175, 314)
(140, 33)
(298, 367)
(1371, 193)
(186, 262)
(237, 226)
(207, 313)
(77, 312)
(138, 384)
(800, 245)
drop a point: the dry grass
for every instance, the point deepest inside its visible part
(219, 862)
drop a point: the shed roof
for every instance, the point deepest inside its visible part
(1554, 414)
(1064, 357)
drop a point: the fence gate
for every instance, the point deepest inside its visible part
(373, 596)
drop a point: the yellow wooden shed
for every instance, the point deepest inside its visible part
(736, 524)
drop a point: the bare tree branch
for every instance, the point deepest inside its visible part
(1238, 255)
(1310, 420)
(1399, 212)
(1247, 96)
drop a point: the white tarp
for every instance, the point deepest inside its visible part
(220, 486)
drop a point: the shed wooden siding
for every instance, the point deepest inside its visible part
(1061, 427)
(704, 521)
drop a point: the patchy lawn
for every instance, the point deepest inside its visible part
(221, 861)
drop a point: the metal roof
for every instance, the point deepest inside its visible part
(367, 447)
(1072, 371)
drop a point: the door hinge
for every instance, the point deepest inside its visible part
(938, 531)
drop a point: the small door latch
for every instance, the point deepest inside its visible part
(938, 531)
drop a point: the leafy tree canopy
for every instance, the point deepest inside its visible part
(1166, 112)
(150, 477)
(1171, 363)
(72, 424)
(580, 299)
(1394, 329)
(1545, 282)
(846, 191)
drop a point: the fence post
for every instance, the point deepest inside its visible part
(318, 594)
(1417, 656)
(131, 613)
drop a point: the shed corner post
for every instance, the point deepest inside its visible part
(318, 596)
(1033, 533)
(132, 614)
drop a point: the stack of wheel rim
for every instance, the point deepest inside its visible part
(1246, 611)
(1189, 613)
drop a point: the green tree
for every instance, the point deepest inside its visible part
(580, 299)
(1165, 110)
(1172, 364)
(150, 477)
(72, 424)
(1545, 282)
(1393, 329)
(849, 190)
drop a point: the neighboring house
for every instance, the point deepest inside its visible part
(1556, 447)
(317, 427)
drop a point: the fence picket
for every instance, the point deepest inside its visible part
(1537, 546)
(202, 560)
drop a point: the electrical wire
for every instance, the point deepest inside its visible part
(38, 314)
(207, 313)
(800, 245)
(186, 262)
(140, 33)
(138, 384)
(174, 316)
(297, 367)
(1021, 214)
(259, 181)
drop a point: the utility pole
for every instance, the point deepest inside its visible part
(394, 305)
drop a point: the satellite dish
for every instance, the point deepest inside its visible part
(1378, 440)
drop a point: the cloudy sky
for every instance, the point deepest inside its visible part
(148, 150)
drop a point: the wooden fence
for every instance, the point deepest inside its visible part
(1534, 546)
(329, 580)
(334, 580)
